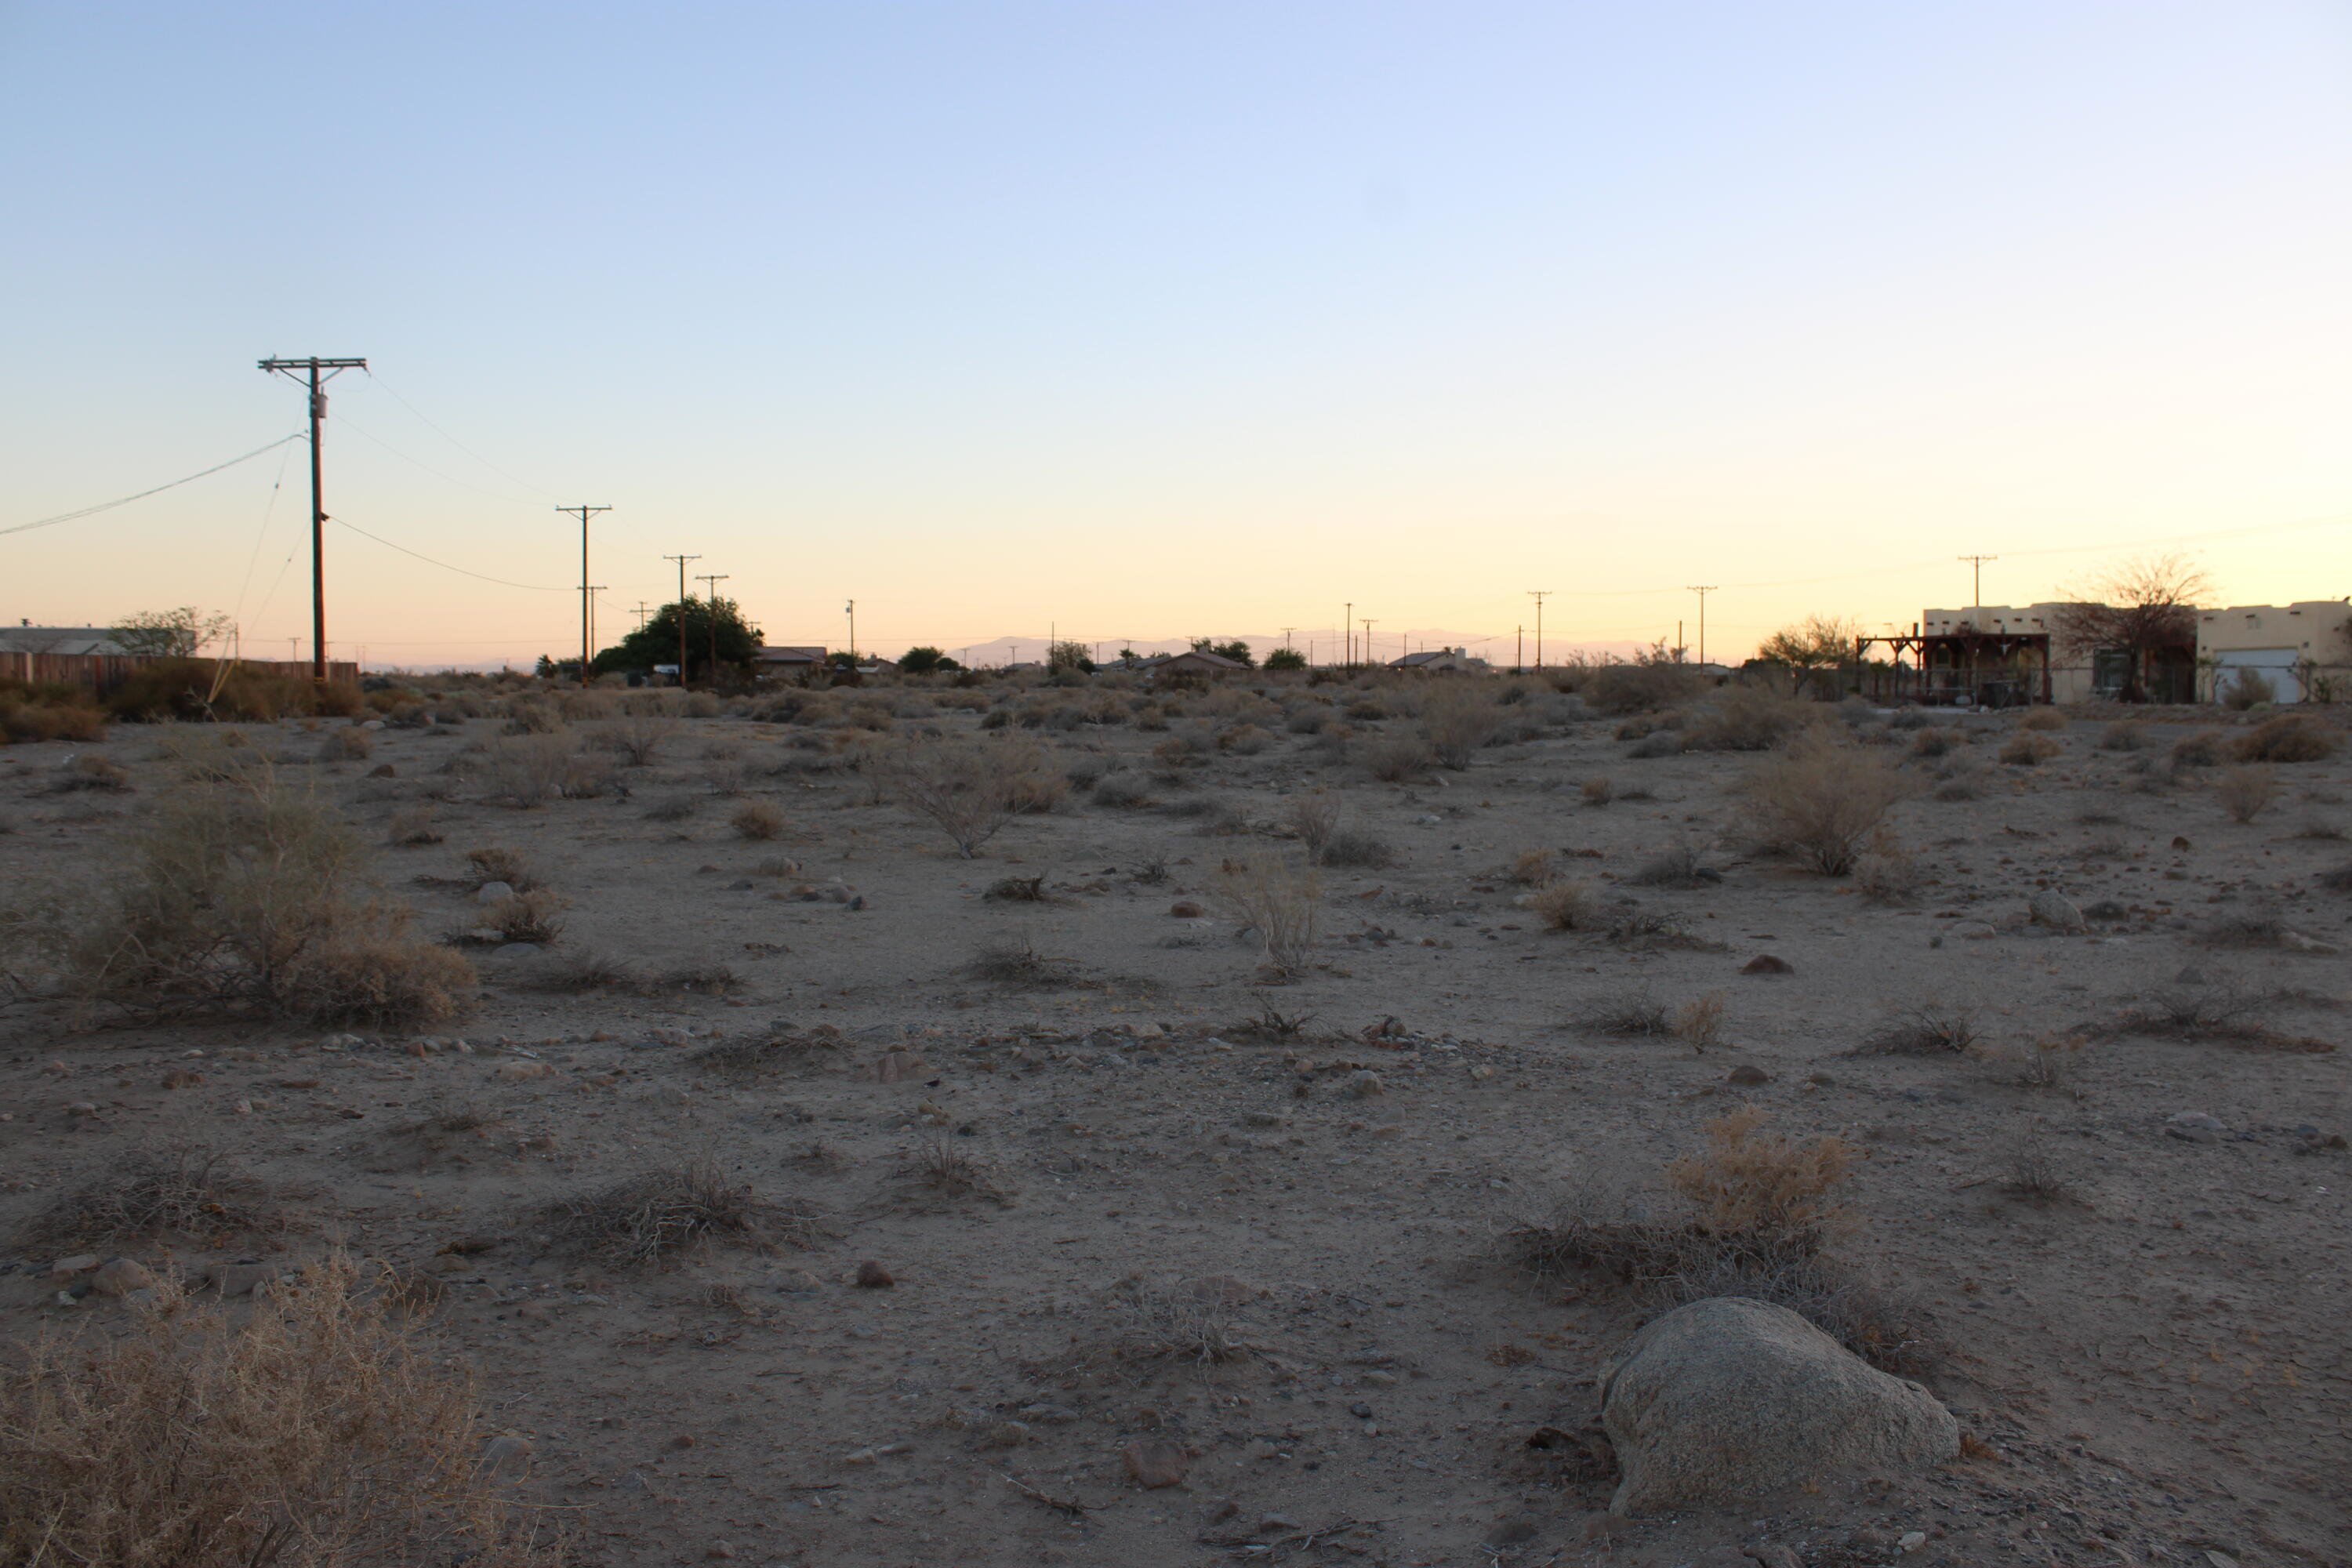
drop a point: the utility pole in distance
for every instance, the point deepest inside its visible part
(710, 615)
(1702, 591)
(681, 561)
(314, 365)
(852, 613)
(586, 633)
(593, 589)
(1976, 566)
(644, 612)
(1368, 640)
(1348, 625)
(1539, 596)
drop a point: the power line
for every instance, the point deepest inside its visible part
(586, 608)
(142, 495)
(429, 561)
(437, 429)
(437, 473)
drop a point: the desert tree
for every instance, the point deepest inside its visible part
(2141, 605)
(1817, 642)
(181, 632)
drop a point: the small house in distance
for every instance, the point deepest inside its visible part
(1192, 661)
(786, 660)
(2299, 652)
(1441, 661)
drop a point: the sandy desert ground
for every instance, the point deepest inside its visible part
(1091, 1143)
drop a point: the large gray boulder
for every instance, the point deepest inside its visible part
(1726, 1399)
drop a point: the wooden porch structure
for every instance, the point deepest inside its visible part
(1986, 670)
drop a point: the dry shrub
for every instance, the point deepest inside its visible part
(1246, 740)
(1457, 720)
(412, 828)
(2042, 718)
(2035, 1171)
(1122, 789)
(2050, 1062)
(533, 917)
(348, 744)
(2244, 792)
(757, 819)
(90, 772)
(1597, 790)
(1639, 1016)
(1749, 719)
(1278, 897)
(527, 769)
(971, 789)
(1395, 758)
(636, 736)
(941, 1165)
(1763, 1190)
(1315, 818)
(1358, 852)
(1927, 1029)
(1886, 872)
(198, 1194)
(1641, 687)
(1822, 804)
(2124, 735)
(48, 712)
(1700, 1020)
(242, 892)
(317, 1431)
(2029, 750)
(496, 863)
(2336, 878)
(651, 1217)
(1533, 867)
(750, 1060)
(1016, 962)
(1190, 1321)
(578, 973)
(2202, 750)
(1929, 744)
(2292, 738)
(2251, 688)
(1566, 906)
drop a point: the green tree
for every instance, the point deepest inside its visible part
(656, 642)
(1286, 658)
(1236, 650)
(168, 633)
(1064, 656)
(925, 660)
(1817, 642)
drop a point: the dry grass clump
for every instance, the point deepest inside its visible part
(1638, 1015)
(1641, 687)
(412, 830)
(1122, 790)
(1358, 852)
(971, 789)
(1456, 719)
(2042, 718)
(1571, 905)
(496, 863)
(2290, 737)
(1191, 1321)
(197, 1194)
(947, 1169)
(2245, 792)
(2202, 750)
(1315, 817)
(1822, 804)
(1534, 868)
(1395, 758)
(523, 769)
(2124, 735)
(1753, 1214)
(1680, 866)
(1929, 744)
(638, 737)
(750, 1060)
(1597, 790)
(2049, 1062)
(348, 744)
(1699, 1021)
(1749, 719)
(2029, 750)
(1017, 963)
(2223, 1009)
(91, 772)
(1278, 897)
(1246, 740)
(654, 1217)
(757, 819)
(1019, 891)
(1924, 1029)
(533, 917)
(317, 1431)
(242, 893)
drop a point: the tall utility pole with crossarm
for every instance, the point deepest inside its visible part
(587, 633)
(710, 615)
(1702, 590)
(318, 372)
(681, 561)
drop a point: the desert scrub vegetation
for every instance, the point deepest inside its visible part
(759, 820)
(2292, 738)
(1821, 804)
(970, 789)
(1395, 758)
(1457, 720)
(1922, 1029)
(1567, 905)
(48, 712)
(658, 1215)
(1749, 719)
(1280, 898)
(638, 737)
(241, 894)
(2245, 791)
(2028, 749)
(317, 1431)
(194, 1194)
(1752, 1213)
(2049, 719)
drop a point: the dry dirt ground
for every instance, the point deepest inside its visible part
(2148, 1347)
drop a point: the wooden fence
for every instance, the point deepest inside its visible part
(105, 673)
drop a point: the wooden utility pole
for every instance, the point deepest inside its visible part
(1539, 596)
(1368, 639)
(312, 366)
(681, 561)
(1977, 565)
(1348, 625)
(710, 615)
(644, 612)
(1702, 590)
(593, 589)
(587, 633)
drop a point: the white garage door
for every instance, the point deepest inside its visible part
(2275, 665)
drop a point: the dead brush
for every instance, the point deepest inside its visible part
(1699, 1021)
(654, 1217)
(1018, 891)
(1272, 1025)
(1597, 790)
(1017, 963)
(322, 1431)
(759, 820)
(2258, 925)
(578, 973)
(690, 980)
(2220, 1009)
(2050, 1062)
(412, 830)
(1821, 804)
(496, 863)
(1680, 866)
(1533, 867)
(1639, 1016)
(535, 917)
(2035, 1172)
(1170, 1323)
(198, 1193)
(1280, 898)
(951, 1172)
(1922, 1029)
(1567, 906)
(748, 1062)
(2245, 791)
(90, 772)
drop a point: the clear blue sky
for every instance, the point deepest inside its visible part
(1150, 320)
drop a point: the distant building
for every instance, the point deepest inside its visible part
(24, 637)
(786, 660)
(2301, 651)
(1441, 661)
(1191, 661)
